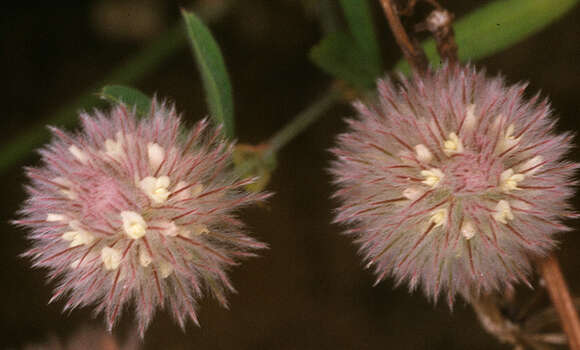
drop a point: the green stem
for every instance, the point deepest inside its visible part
(301, 122)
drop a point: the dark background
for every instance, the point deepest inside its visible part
(309, 290)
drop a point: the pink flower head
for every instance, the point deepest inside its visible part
(137, 209)
(453, 181)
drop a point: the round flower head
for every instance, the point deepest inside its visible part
(453, 181)
(137, 209)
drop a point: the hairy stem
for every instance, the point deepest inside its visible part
(492, 320)
(550, 270)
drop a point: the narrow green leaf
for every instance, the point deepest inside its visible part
(127, 95)
(213, 72)
(497, 26)
(339, 55)
(358, 16)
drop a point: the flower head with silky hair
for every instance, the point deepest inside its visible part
(453, 181)
(138, 209)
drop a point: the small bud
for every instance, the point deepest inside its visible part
(423, 153)
(144, 257)
(156, 188)
(432, 177)
(156, 155)
(470, 118)
(509, 181)
(133, 224)
(503, 212)
(111, 258)
(452, 145)
(468, 230)
(78, 154)
(439, 217)
(413, 192)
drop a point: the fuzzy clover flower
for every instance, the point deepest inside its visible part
(137, 209)
(453, 181)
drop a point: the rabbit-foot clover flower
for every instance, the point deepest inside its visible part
(453, 181)
(138, 209)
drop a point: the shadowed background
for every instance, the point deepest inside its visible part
(309, 290)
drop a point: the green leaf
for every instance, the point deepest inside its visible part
(339, 55)
(213, 72)
(497, 26)
(358, 16)
(127, 95)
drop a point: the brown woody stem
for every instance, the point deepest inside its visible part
(489, 314)
(412, 51)
(560, 295)
(439, 23)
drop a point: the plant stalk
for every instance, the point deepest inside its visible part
(412, 51)
(550, 270)
(301, 121)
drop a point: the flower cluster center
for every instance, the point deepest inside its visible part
(470, 174)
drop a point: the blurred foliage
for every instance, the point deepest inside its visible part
(116, 94)
(351, 56)
(497, 26)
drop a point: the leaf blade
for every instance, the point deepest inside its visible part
(358, 16)
(124, 94)
(338, 55)
(213, 71)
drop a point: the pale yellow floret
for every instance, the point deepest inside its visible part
(199, 229)
(156, 188)
(197, 189)
(439, 217)
(144, 257)
(184, 194)
(75, 264)
(111, 258)
(133, 224)
(114, 149)
(55, 217)
(77, 236)
(432, 177)
(69, 193)
(78, 154)
(470, 118)
(531, 164)
(413, 192)
(165, 269)
(184, 233)
(187, 193)
(169, 228)
(503, 212)
(468, 230)
(423, 153)
(156, 154)
(509, 181)
(520, 204)
(508, 140)
(452, 145)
